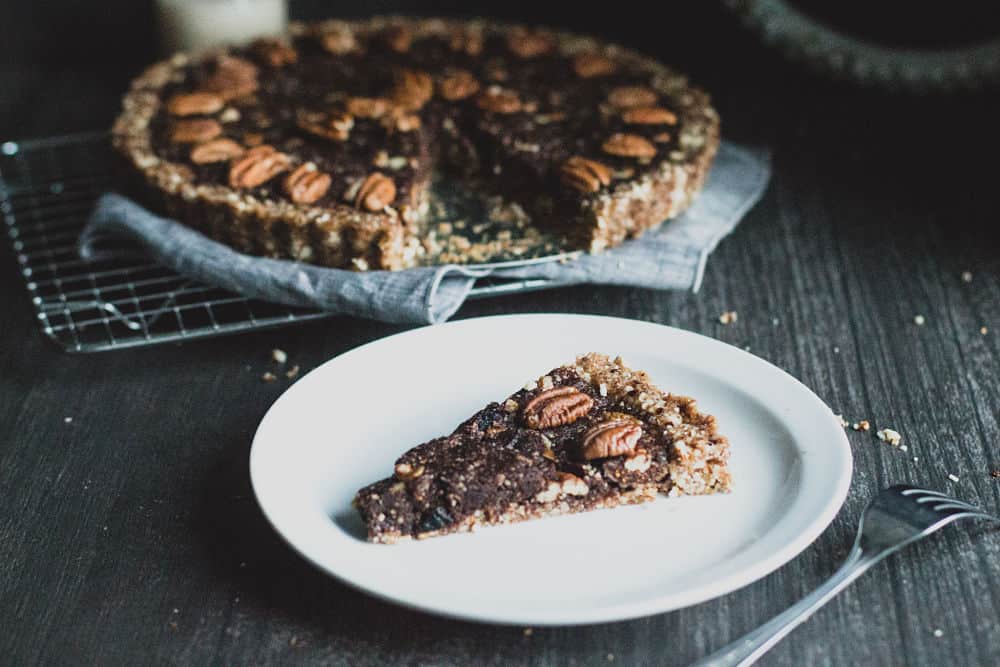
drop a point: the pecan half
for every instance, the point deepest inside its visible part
(584, 175)
(530, 43)
(458, 85)
(627, 97)
(217, 150)
(413, 89)
(376, 192)
(368, 107)
(335, 126)
(498, 100)
(399, 38)
(307, 184)
(338, 40)
(194, 130)
(610, 438)
(590, 65)
(556, 407)
(275, 52)
(628, 145)
(257, 166)
(233, 77)
(189, 104)
(649, 116)
(468, 41)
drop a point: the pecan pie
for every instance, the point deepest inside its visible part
(320, 146)
(591, 434)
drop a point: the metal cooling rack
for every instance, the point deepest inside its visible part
(47, 188)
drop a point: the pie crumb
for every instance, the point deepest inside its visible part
(890, 436)
(938, 632)
(862, 425)
(966, 276)
(995, 473)
(269, 377)
(292, 372)
(279, 355)
(67, 420)
(953, 477)
(919, 320)
(528, 632)
(983, 330)
(728, 317)
(843, 422)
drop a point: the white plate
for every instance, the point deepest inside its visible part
(343, 425)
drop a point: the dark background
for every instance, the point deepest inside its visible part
(130, 535)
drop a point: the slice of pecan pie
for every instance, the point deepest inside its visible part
(591, 434)
(320, 146)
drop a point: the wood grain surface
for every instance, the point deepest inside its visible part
(129, 534)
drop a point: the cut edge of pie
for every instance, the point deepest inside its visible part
(591, 434)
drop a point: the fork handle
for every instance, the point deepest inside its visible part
(748, 648)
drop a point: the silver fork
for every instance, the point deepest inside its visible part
(896, 517)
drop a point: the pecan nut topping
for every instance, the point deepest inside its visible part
(530, 43)
(307, 184)
(556, 407)
(338, 39)
(591, 65)
(413, 89)
(217, 150)
(407, 471)
(610, 438)
(257, 166)
(585, 175)
(468, 41)
(498, 100)
(649, 116)
(368, 107)
(627, 97)
(376, 192)
(628, 145)
(275, 52)
(458, 85)
(335, 126)
(399, 38)
(194, 130)
(190, 104)
(233, 77)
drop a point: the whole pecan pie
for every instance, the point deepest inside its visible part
(587, 435)
(320, 146)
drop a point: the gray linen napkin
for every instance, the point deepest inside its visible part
(671, 257)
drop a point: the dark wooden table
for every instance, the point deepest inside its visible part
(129, 535)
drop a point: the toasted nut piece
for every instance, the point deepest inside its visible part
(189, 104)
(257, 166)
(573, 485)
(275, 52)
(413, 89)
(585, 175)
(399, 38)
(458, 85)
(217, 150)
(662, 137)
(338, 39)
(498, 100)
(468, 41)
(376, 192)
(649, 116)
(406, 472)
(307, 184)
(368, 107)
(335, 126)
(628, 145)
(233, 77)
(401, 121)
(590, 65)
(556, 407)
(610, 438)
(530, 43)
(194, 130)
(253, 139)
(627, 97)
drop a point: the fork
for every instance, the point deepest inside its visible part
(896, 517)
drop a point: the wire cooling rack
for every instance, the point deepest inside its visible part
(47, 188)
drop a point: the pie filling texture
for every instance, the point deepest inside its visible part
(320, 146)
(591, 434)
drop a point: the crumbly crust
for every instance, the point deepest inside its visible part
(532, 456)
(341, 235)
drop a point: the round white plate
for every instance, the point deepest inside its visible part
(343, 425)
